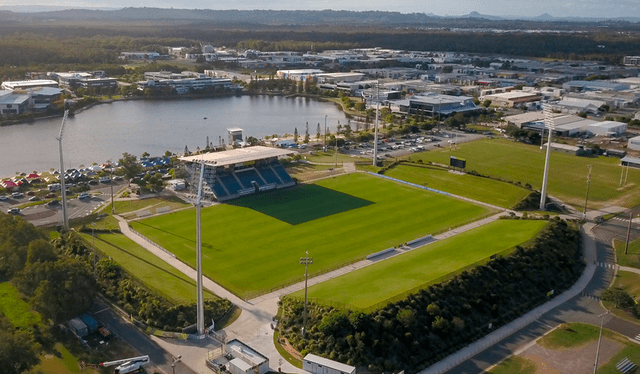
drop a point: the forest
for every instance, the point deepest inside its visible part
(416, 332)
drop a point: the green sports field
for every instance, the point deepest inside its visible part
(382, 281)
(567, 174)
(486, 190)
(147, 268)
(254, 244)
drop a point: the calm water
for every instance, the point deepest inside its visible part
(105, 131)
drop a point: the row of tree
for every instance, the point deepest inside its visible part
(427, 326)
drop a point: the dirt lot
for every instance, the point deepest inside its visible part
(571, 360)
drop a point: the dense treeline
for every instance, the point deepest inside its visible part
(427, 326)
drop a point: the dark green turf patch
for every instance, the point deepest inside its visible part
(301, 204)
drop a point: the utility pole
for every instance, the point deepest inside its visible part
(595, 366)
(375, 136)
(586, 197)
(93, 239)
(113, 209)
(548, 122)
(626, 246)
(63, 192)
(306, 261)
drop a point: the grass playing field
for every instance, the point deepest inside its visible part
(486, 190)
(567, 174)
(632, 258)
(254, 243)
(147, 268)
(379, 282)
(15, 309)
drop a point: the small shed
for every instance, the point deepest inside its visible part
(320, 365)
(91, 322)
(245, 360)
(79, 327)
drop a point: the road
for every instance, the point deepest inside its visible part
(124, 330)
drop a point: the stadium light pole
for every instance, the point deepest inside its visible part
(586, 197)
(595, 366)
(63, 192)
(548, 122)
(200, 301)
(626, 245)
(375, 136)
(306, 261)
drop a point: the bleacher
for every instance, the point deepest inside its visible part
(269, 175)
(218, 189)
(249, 175)
(231, 183)
(281, 172)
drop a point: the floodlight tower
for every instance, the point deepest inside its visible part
(63, 192)
(548, 122)
(375, 136)
(200, 301)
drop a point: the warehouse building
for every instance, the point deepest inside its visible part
(608, 128)
(634, 144)
(320, 365)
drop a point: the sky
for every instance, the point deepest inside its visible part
(556, 8)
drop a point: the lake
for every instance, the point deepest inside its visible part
(106, 131)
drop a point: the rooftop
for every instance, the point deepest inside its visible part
(239, 155)
(329, 363)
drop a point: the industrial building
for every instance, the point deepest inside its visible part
(568, 149)
(12, 103)
(634, 144)
(511, 99)
(320, 365)
(432, 104)
(608, 128)
(298, 74)
(25, 85)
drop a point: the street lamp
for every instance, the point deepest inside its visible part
(549, 123)
(93, 239)
(586, 197)
(375, 137)
(595, 366)
(113, 209)
(306, 261)
(175, 361)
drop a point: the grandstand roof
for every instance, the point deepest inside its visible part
(239, 155)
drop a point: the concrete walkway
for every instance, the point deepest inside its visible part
(626, 268)
(590, 255)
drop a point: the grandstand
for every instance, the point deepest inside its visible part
(239, 172)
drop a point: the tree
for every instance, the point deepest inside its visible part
(130, 165)
(318, 133)
(620, 298)
(306, 133)
(17, 352)
(295, 134)
(145, 154)
(40, 250)
(486, 103)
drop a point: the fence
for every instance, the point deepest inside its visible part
(152, 242)
(410, 184)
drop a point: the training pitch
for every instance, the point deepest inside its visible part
(382, 281)
(253, 244)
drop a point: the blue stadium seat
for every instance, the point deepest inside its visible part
(282, 173)
(268, 175)
(231, 183)
(247, 176)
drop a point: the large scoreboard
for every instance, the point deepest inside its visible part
(457, 162)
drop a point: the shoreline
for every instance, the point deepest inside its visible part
(34, 120)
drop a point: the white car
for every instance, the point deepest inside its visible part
(3, 198)
(84, 195)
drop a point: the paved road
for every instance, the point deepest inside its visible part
(160, 358)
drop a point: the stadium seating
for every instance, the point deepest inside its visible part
(217, 188)
(282, 173)
(249, 175)
(269, 175)
(231, 183)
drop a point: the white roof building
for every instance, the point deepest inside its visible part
(608, 128)
(16, 85)
(320, 365)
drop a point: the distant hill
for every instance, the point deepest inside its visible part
(309, 18)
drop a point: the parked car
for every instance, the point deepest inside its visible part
(84, 195)
(93, 182)
(3, 198)
(34, 198)
(13, 211)
(17, 195)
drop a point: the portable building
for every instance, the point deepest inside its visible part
(320, 365)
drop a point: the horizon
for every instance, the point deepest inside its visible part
(454, 8)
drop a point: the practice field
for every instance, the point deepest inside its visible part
(382, 281)
(254, 244)
(482, 189)
(515, 161)
(148, 269)
(15, 309)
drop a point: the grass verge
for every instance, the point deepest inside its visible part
(632, 258)
(515, 364)
(15, 309)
